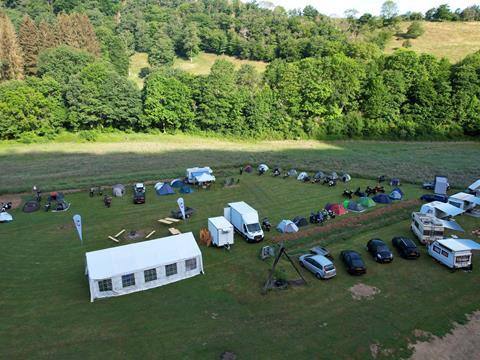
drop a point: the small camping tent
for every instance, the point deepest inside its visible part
(177, 183)
(382, 199)
(302, 176)
(300, 221)
(346, 177)
(186, 190)
(163, 189)
(287, 226)
(338, 209)
(5, 217)
(31, 206)
(292, 172)
(262, 168)
(395, 182)
(345, 203)
(355, 207)
(248, 169)
(395, 195)
(118, 190)
(367, 202)
(141, 266)
(319, 175)
(399, 190)
(334, 176)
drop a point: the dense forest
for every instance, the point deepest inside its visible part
(64, 65)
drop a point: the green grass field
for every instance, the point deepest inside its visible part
(68, 164)
(452, 40)
(46, 312)
(200, 64)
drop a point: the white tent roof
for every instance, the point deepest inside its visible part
(446, 208)
(459, 244)
(205, 177)
(467, 197)
(158, 185)
(5, 217)
(115, 261)
(475, 185)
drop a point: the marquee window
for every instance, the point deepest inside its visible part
(105, 285)
(171, 269)
(128, 280)
(150, 275)
(191, 264)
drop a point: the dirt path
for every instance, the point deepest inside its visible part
(462, 343)
(347, 222)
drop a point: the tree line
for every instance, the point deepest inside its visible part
(64, 66)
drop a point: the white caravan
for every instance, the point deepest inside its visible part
(221, 231)
(426, 228)
(453, 253)
(245, 220)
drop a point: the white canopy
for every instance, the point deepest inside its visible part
(459, 244)
(467, 197)
(204, 178)
(475, 186)
(132, 260)
(448, 209)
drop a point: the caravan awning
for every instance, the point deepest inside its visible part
(473, 245)
(467, 197)
(451, 225)
(204, 178)
(475, 186)
(447, 208)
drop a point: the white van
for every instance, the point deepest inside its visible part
(453, 253)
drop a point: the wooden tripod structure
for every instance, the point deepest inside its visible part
(269, 283)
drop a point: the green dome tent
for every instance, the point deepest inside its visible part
(367, 202)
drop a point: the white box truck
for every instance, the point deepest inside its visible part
(221, 231)
(453, 253)
(245, 220)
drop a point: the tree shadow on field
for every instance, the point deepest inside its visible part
(69, 170)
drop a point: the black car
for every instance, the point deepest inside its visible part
(406, 247)
(354, 262)
(434, 197)
(379, 250)
(177, 214)
(139, 197)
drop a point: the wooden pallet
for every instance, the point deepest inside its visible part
(174, 231)
(165, 221)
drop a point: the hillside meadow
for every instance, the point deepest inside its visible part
(68, 163)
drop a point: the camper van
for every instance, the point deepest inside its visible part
(245, 220)
(453, 253)
(426, 228)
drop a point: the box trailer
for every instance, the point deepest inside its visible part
(221, 231)
(426, 228)
(245, 221)
(453, 253)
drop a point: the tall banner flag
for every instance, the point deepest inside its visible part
(77, 219)
(181, 205)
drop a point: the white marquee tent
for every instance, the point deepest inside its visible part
(136, 267)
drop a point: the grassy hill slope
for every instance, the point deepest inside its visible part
(453, 40)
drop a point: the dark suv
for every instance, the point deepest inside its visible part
(406, 247)
(380, 251)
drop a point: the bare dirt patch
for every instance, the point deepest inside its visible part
(14, 199)
(362, 291)
(350, 222)
(461, 343)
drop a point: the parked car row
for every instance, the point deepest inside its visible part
(320, 261)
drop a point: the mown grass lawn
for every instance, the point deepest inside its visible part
(46, 312)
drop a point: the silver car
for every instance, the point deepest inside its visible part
(319, 265)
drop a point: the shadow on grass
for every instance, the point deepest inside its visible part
(68, 170)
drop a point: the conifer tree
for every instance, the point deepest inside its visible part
(11, 58)
(28, 39)
(46, 37)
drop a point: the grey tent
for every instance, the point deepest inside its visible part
(31, 206)
(302, 176)
(334, 176)
(395, 195)
(287, 226)
(319, 175)
(292, 172)
(346, 177)
(118, 190)
(355, 207)
(300, 221)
